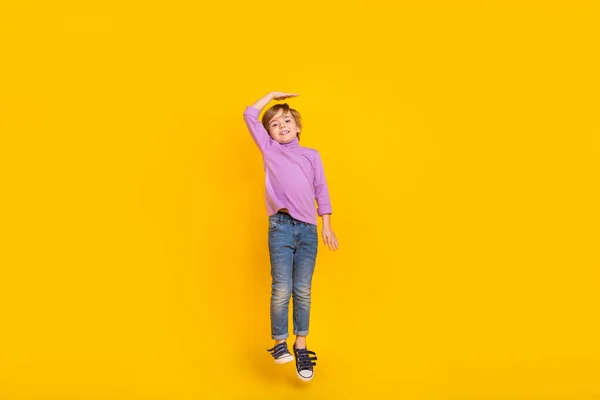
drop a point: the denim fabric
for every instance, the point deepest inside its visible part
(293, 248)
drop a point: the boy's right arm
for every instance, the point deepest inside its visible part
(261, 103)
(258, 132)
(255, 127)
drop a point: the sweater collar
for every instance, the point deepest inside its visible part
(293, 143)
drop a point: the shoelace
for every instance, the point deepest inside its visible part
(304, 359)
(279, 350)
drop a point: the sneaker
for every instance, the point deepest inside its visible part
(305, 363)
(281, 354)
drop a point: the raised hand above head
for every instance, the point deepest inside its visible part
(282, 95)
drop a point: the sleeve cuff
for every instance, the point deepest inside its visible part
(324, 210)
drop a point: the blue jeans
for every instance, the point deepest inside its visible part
(293, 248)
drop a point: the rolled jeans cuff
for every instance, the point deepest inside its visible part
(280, 337)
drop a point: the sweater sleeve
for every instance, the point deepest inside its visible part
(258, 132)
(321, 189)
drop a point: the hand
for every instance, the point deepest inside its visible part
(329, 239)
(282, 95)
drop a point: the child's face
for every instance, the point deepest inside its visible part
(282, 128)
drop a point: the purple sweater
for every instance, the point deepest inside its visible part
(294, 174)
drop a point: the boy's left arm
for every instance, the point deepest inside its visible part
(328, 236)
(324, 204)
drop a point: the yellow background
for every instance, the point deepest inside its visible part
(460, 143)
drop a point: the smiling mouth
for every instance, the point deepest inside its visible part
(284, 133)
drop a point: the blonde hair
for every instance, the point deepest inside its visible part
(271, 112)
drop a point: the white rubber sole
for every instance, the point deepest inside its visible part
(284, 359)
(303, 378)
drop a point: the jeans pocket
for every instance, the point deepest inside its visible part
(273, 226)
